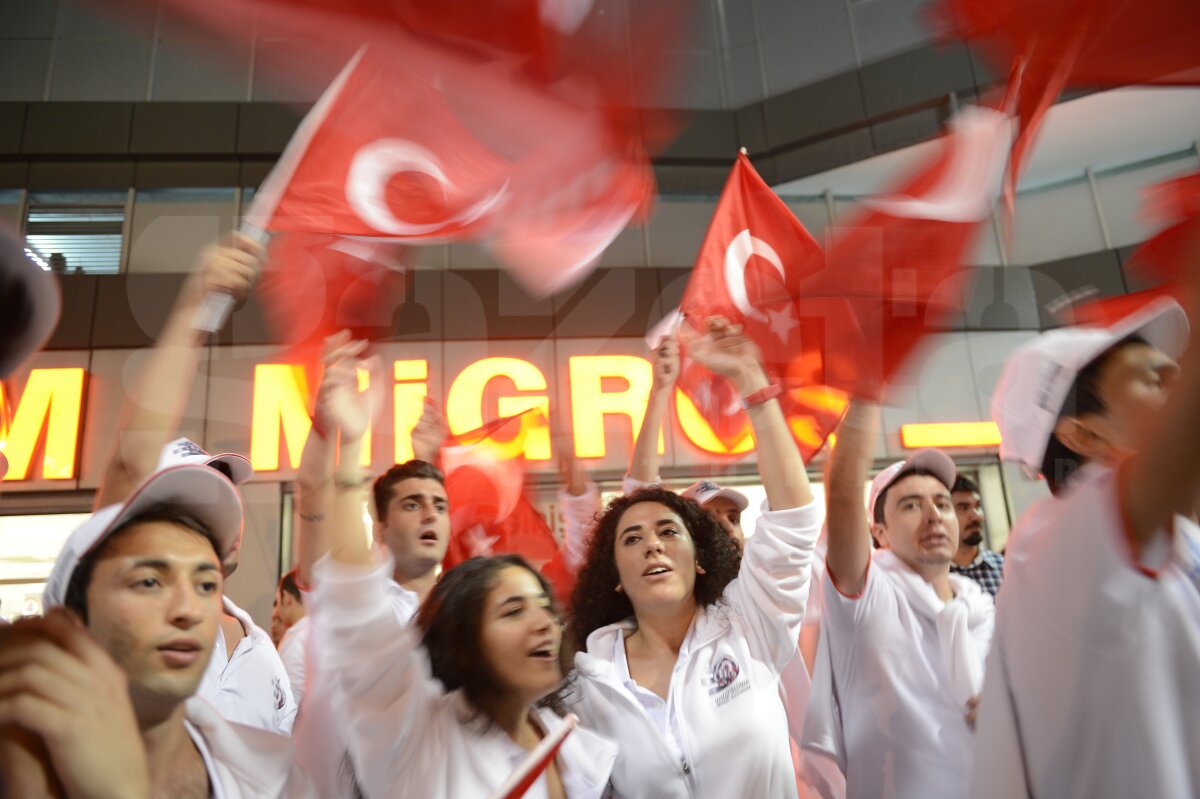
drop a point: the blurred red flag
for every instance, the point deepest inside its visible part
(1162, 259)
(896, 266)
(315, 284)
(1050, 45)
(489, 512)
(479, 154)
(753, 260)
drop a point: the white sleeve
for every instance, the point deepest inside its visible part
(379, 677)
(771, 589)
(292, 654)
(579, 516)
(629, 484)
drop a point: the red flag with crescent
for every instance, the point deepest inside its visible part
(754, 258)
(489, 511)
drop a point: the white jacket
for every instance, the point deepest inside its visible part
(725, 686)
(407, 736)
(251, 686)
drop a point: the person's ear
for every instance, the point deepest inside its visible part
(879, 534)
(1080, 436)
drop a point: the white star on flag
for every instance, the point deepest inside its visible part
(781, 323)
(478, 542)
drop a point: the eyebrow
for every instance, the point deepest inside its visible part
(435, 497)
(658, 523)
(162, 565)
(939, 495)
(522, 598)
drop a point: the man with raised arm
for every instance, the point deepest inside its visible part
(246, 680)
(412, 522)
(903, 640)
(1093, 684)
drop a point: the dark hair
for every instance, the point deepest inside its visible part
(881, 500)
(964, 484)
(595, 603)
(288, 585)
(1060, 462)
(451, 623)
(381, 491)
(76, 594)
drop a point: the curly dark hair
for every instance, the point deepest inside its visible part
(595, 603)
(451, 623)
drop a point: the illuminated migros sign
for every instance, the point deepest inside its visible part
(40, 428)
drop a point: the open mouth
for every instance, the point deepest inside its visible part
(547, 653)
(429, 535)
(656, 570)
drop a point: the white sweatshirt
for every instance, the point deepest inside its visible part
(1093, 685)
(407, 736)
(725, 687)
(251, 686)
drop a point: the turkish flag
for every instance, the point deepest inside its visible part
(1046, 46)
(315, 284)
(489, 512)
(381, 154)
(896, 265)
(754, 258)
(484, 154)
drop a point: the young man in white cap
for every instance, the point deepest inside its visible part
(246, 680)
(104, 693)
(903, 641)
(1093, 684)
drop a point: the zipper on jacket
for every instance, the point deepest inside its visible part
(684, 765)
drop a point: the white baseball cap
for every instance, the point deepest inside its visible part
(185, 451)
(29, 304)
(703, 492)
(931, 460)
(201, 491)
(1029, 398)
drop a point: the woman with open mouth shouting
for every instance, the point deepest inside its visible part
(463, 702)
(683, 646)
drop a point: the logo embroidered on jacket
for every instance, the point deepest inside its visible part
(280, 698)
(725, 672)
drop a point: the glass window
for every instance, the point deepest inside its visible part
(28, 547)
(76, 232)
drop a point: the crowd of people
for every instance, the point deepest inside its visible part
(858, 650)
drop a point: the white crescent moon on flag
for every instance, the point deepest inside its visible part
(372, 168)
(737, 255)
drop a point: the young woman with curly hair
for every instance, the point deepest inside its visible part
(682, 647)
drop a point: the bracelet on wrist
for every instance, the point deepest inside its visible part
(762, 395)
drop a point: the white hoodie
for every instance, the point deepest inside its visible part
(724, 691)
(407, 736)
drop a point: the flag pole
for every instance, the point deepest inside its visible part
(215, 309)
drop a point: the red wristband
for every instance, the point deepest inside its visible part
(762, 395)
